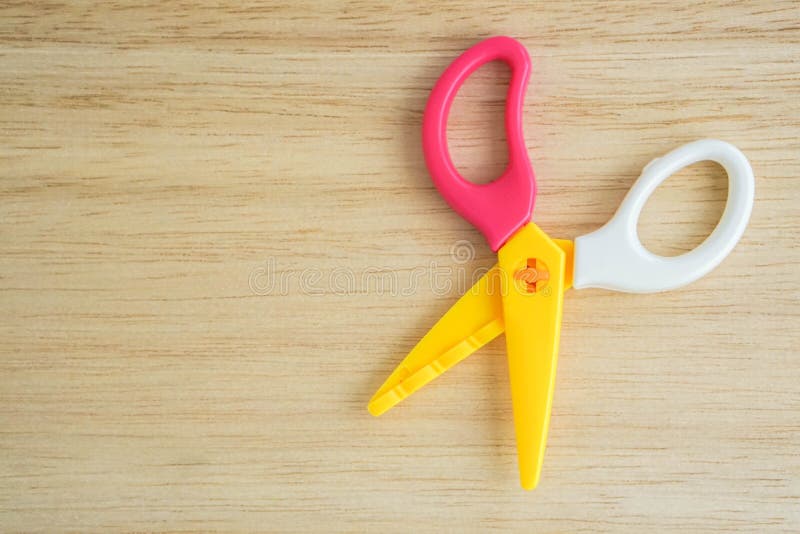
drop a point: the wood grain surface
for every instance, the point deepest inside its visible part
(218, 237)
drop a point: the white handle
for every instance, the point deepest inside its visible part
(614, 258)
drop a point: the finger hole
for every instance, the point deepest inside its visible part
(684, 210)
(476, 134)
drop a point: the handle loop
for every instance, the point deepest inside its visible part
(613, 257)
(500, 208)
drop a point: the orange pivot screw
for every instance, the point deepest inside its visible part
(534, 276)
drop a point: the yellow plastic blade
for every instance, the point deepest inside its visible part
(472, 322)
(534, 266)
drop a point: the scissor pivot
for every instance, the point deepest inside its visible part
(533, 277)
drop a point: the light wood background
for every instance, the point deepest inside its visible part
(160, 162)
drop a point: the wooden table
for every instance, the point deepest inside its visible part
(218, 238)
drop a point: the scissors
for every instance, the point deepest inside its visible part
(523, 294)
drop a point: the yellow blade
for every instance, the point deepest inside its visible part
(534, 266)
(472, 322)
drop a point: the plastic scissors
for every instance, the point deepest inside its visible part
(523, 294)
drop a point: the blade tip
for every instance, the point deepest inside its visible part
(529, 484)
(374, 409)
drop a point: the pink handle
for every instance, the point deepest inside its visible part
(502, 207)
